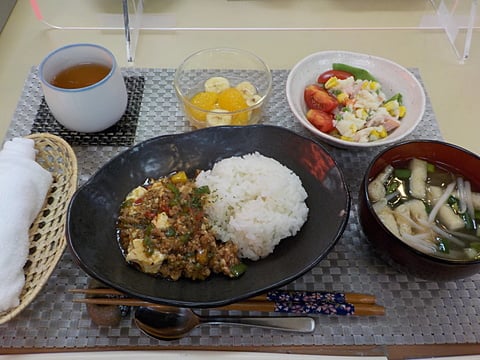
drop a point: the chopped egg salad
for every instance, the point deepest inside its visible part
(364, 113)
(349, 103)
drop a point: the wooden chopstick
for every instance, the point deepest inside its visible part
(353, 298)
(246, 306)
(97, 291)
(113, 301)
(257, 303)
(261, 306)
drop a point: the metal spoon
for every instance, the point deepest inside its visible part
(169, 323)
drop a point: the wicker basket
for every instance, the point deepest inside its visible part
(47, 233)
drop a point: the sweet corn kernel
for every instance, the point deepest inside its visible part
(342, 98)
(373, 85)
(378, 133)
(374, 135)
(333, 81)
(402, 110)
(392, 107)
(346, 138)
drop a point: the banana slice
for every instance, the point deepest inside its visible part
(253, 100)
(216, 84)
(218, 117)
(247, 89)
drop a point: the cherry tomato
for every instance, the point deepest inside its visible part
(322, 120)
(316, 97)
(339, 74)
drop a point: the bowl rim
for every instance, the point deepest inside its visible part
(184, 98)
(343, 143)
(364, 190)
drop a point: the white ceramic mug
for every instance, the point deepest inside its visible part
(90, 108)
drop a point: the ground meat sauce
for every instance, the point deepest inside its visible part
(162, 230)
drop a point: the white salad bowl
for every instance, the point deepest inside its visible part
(393, 77)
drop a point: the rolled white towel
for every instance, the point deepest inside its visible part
(24, 185)
(22, 147)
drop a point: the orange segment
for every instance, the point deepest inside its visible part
(241, 118)
(231, 99)
(203, 100)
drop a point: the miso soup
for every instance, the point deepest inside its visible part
(429, 207)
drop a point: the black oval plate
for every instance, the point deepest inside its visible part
(93, 211)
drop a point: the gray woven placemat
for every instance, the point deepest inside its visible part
(418, 311)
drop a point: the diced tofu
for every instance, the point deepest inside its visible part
(137, 254)
(136, 193)
(161, 221)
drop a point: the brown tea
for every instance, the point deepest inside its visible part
(80, 75)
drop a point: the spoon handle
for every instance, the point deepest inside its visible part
(303, 324)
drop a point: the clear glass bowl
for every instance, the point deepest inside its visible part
(235, 65)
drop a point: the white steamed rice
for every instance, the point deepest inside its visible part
(256, 202)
